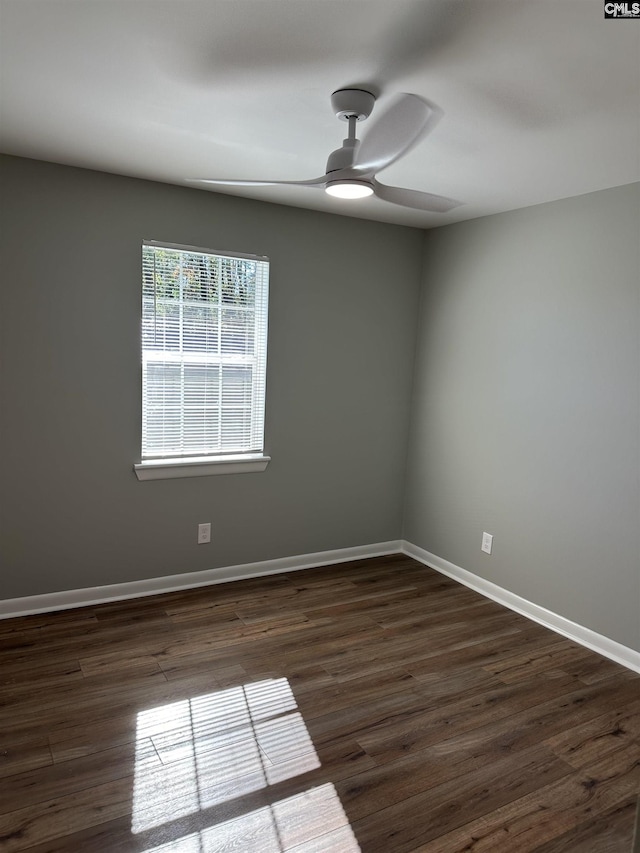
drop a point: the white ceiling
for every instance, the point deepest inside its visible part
(541, 98)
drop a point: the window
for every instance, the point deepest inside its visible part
(204, 348)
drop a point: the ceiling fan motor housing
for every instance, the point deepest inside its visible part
(342, 158)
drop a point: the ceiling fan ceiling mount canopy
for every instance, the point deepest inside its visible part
(352, 103)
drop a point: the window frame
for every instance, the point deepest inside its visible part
(176, 466)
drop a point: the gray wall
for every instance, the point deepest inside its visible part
(344, 296)
(526, 417)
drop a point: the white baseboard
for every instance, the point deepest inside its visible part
(67, 599)
(585, 636)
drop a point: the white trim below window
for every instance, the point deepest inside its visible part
(200, 466)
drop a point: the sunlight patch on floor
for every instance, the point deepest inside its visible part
(311, 822)
(224, 745)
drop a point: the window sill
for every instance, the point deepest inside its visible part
(201, 466)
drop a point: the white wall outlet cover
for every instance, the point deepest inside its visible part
(204, 533)
(487, 542)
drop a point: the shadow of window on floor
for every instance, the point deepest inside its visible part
(194, 755)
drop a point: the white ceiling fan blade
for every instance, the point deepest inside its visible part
(414, 198)
(242, 183)
(402, 126)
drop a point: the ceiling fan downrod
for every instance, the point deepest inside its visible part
(352, 106)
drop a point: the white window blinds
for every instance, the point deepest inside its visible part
(204, 348)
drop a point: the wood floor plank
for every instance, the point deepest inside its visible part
(114, 836)
(327, 699)
(195, 665)
(297, 602)
(423, 618)
(33, 787)
(595, 668)
(473, 655)
(27, 826)
(116, 663)
(90, 709)
(116, 724)
(221, 642)
(19, 756)
(548, 813)
(438, 686)
(328, 637)
(522, 666)
(55, 620)
(406, 651)
(384, 785)
(538, 724)
(610, 832)
(20, 684)
(123, 640)
(366, 707)
(590, 741)
(454, 715)
(523, 708)
(18, 673)
(402, 826)
(97, 691)
(375, 606)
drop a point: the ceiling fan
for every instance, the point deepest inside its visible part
(352, 169)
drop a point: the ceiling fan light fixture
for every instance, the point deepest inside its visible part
(349, 189)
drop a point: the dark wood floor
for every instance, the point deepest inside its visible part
(373, 706)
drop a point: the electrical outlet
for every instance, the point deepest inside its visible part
(204, 533)
(487, 542)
